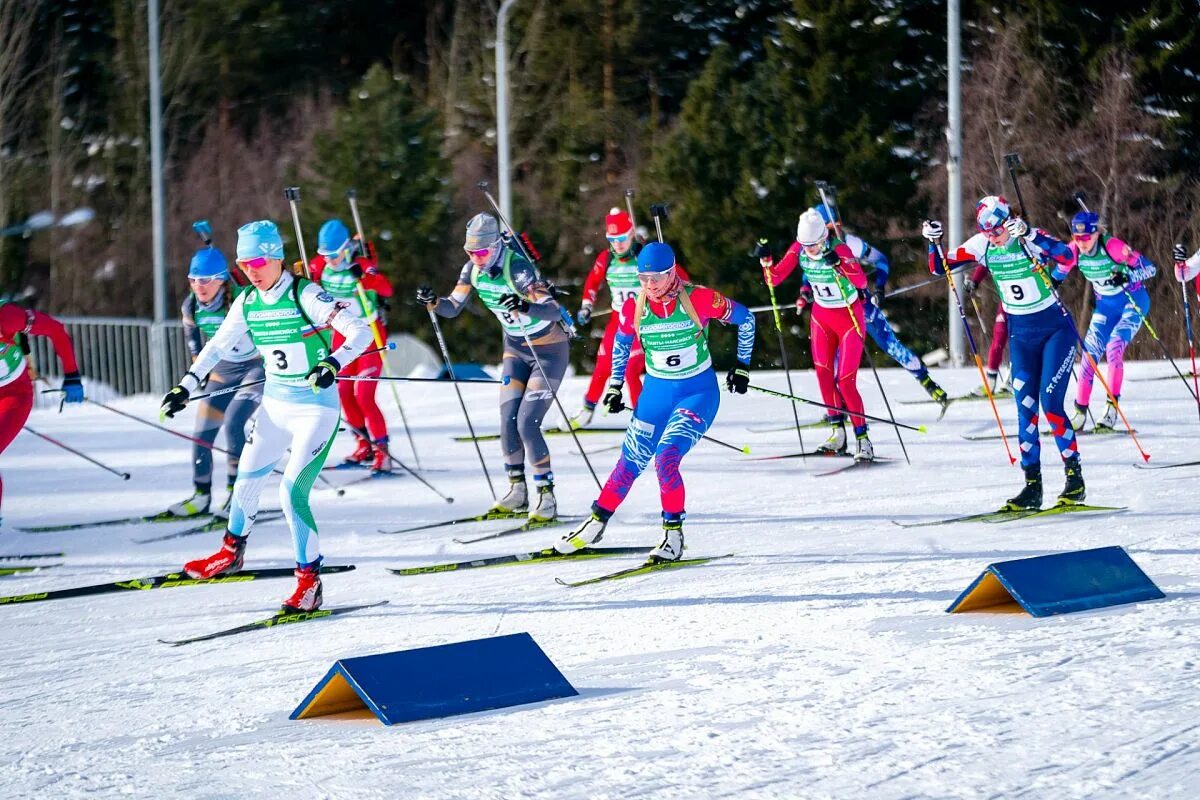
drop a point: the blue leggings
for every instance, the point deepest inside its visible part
(1042, 348)
(881, 331)
(670, 417)
(1115, 321)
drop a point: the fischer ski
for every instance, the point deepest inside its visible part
(487, 516)
(642, 569)
(537, 556)
(214, 524)
(878, 461)
(5, 571)
(962, 398)
(169, 580)
(530, 525)
(986, 516)
(811, 454)
(1146, 465)
(1065, 508)
(163, 516)
(28, 556)
(982, 437)
(491, 437)
(275, 620)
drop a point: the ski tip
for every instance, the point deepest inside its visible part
(561, 582)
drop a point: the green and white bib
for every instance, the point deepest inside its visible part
(1022, 291)
(1098, 268)
(492, 289)
(342, 284)
(622, 278)
(831, 289)
(675, 348)
(12, 363)
(209, 320)
(289, 344)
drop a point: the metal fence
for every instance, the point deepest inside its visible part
(117, 356)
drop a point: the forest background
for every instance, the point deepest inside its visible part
(726, 111)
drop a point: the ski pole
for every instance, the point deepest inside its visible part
(1012, 161)
(821, 188)
(918, 285)
(363, 433)
(1187, 316)
(629, 208)
(437, 332)
(743, 450)
(292, 193)
(483, 185)
(383, 379)
(352, 196)
(975, 350)
(766, 273)
(839, 409)
(240, 386)
(89, 459)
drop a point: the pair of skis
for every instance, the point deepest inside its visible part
(983, 437)
(1011, 516)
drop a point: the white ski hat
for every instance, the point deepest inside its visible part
(811, 228)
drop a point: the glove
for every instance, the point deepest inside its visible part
(805, 299)
(426, 296)
(173, 402)
(585, 314)
(1016, 227)
(1056, 282)
(762, 251)
(832, 259)
(357, 271)
(1119, 279)
(514, 302)
(877, 297)
(323, 375)
(72, 387)
(1179, 253)
(738, 379)
(931, 229)
(969, 286)
(612, 399)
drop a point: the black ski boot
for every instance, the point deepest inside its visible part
(1030, 498)
(1073, 492)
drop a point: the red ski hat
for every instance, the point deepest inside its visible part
(617, 223)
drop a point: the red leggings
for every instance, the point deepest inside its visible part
(837, 346)
(358, 397)
(999, 340)
(16, 401)
(633, 370)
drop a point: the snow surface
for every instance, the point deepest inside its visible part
(817, 663)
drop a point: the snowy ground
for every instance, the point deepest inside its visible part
(816, 663)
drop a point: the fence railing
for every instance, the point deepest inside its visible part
(124, 355)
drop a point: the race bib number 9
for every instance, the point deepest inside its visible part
(1023, 292)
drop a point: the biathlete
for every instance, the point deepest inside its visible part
(836, 290)
(357, 283)
(1041, 337)
(1117, 273)
(16, 385)
(211, 296)
(287, 319)
(680, 398)
(514, 290)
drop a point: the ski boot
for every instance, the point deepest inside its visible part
(226, 560)
(308, 594)
(583, 417)
(1003, 383)
(223, 511)
(1073, 492)
(982, 391)
(547, 507)
(381, 464)
(1029, 498)
(517, 499)
(194, 506)
(863, 449)
(671, 546)
(587, 534)
(836, 443)
(1108, 423)
(937, 393)
(361, 454)
(1079, 417)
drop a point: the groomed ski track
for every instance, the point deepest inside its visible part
(816, 663)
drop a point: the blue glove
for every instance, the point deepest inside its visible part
(324, 374)
(72, 386)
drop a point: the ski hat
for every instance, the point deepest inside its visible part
(811, 228)
(208, 262)
(333, 238)
(991, 212)
(1085, 222)
(617, 223)
(828, 213)
(259, 238)
(655, 257)
(483, 232)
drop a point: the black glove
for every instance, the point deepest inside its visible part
(832, 259)
(738, 379)
(863, 295)
(612, 399)
(877, 296)
(1119, 279)
(585, 314)
(1055, 282)
(173, 402)
(1179, 253)
(514, 302)
(72, 387)
(426, 296)
(323, 375)
(357, 271)
(762, 250)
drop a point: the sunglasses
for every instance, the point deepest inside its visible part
(655, 277)
(203, 281)
(1083, 235)
(481, 253)
(624, 237)
(254, 263)
(993, 232)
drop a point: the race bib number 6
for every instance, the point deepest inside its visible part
(674, 360)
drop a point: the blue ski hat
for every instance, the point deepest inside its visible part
(333, 238)
(209, 262)
(827, 213)
(1085, 222)
(259, 238)
(655, 257)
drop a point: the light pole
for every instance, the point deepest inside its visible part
(503, 167)
(158, 366)
(954, 168)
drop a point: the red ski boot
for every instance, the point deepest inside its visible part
(227, 559)
(361, 454)
(307, 596)
(382, 465)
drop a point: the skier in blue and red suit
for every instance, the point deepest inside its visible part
(1041, 336)
(679, 398)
